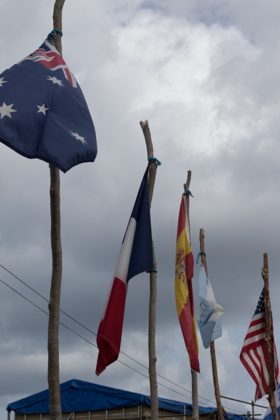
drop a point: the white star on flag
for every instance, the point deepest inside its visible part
(2, 81)
(42, 108)
(55, 81)
(78, 137)
(6, 110)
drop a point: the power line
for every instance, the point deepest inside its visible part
(85, 327)
(67, 327)
(94, 345)
(93, 333)
(80, 336)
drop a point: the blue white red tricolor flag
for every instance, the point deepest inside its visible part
(136, 256)
(43, 112)
(254, 353)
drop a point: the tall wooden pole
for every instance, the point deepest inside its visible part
(195, 415)
(269, 338)
(54, 302)
(220, 411)
(153, 282)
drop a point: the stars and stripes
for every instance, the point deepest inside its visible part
(43, 113)
(254, 354)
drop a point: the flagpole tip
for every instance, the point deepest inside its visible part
(144, 123)
(202, 232)
(187, 184)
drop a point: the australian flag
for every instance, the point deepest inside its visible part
(43, 112)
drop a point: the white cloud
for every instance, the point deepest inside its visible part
(194, 71)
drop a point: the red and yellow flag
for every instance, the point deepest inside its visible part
(183, 285)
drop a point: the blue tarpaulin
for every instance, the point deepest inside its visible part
(80, 396)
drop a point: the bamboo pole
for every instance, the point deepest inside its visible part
(220, 410)
(269, 338)
(153, 281)
(195, 415)
(55, 291)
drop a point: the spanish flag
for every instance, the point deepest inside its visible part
(183, 285)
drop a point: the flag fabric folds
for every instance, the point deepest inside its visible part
(254, 354)
(183, 285)
(136, 256)
(43, 113)
(209, 310)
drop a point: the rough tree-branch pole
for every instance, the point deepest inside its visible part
(54, 303)
(153, 283)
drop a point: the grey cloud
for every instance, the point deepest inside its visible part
(224, 128)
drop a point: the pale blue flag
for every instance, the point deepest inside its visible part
(209, 310)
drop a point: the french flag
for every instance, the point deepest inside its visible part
(136, 256)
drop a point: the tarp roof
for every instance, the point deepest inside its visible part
(79, 396)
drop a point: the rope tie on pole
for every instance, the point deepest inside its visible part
(200, 255)
(52, 35)
(153, 159)
(188, 192)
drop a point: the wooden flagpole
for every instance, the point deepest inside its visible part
(55, 291)
(153, 280)
(195, 415)
(269, 338)
(220, 410)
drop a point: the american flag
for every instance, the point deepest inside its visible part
(254, 354)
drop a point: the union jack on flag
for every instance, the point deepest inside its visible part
(49, 57)
(254, 354)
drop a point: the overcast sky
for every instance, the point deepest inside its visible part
(206, 77)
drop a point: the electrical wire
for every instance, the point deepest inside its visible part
(79, 335)
(85, 327)
(94, 345)
(93, 333)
